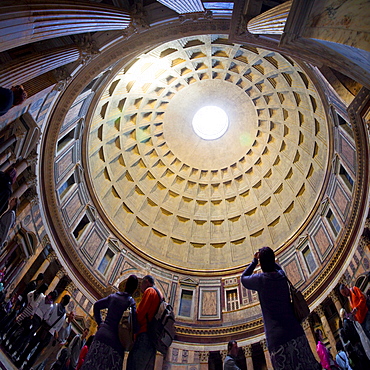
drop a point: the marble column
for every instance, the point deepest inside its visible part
(24, 69)
(30, 181)
(334, 297)
(310, 337)
(248, 356)
(4, 156)
(270, 22)
(158, 361)
(47, 261)
(6, 143)
(56, 279)
(325, 325)
(23, 164)
(38, 21)
(267, 354)
(203, 359)
(9, 161)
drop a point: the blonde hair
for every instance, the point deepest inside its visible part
(342, 313)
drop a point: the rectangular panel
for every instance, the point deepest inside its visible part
(209, 303)
(322, 240)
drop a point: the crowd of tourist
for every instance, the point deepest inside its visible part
(36, 332)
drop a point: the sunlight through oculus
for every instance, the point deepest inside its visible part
(210, 122)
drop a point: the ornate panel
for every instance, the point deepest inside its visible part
(73, 207)
(93, 244)
(209, 303)
(321, 240)
(65, 164)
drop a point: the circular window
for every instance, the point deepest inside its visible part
(210, 122)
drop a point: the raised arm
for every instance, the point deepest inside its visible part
(249, 281)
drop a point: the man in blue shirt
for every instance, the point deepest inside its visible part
(232, 353)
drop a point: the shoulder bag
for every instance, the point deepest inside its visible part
(126, 329)
(300, 306)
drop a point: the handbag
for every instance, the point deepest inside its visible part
(300, 306)
(126, 329)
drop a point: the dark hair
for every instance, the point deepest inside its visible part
(318, 334)
(89, 340)
(54, 294)
(342, 286)
(267, 259)
(19, 94)
(65, 300)
(131, 284)
(40, 276)
(12, 173)
(230, 345)
(41, 289)
(339, 346)
(150, 278)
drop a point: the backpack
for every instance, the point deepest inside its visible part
(161, 329)
(126, 329)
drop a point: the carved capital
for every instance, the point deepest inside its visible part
(306, 324)
(31, 179)
(70, 288)
(32, 158)
(45, 240)
(320, 311)
(32, 196)
(333, 296)
(51, 257)
(63, 77)
(223, 354)
(19, 132)
(367, 223)
(263, 344)
(139, 18)
(364, 242)
(203, 357)
(88, 49)
(247, 350)
(61, 273)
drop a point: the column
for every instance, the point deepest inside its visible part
(38, 21)
(203, 359)
(334, 297)
(48, 260)
(70, 288)
(248, 356)
(6, 144)
(311, 339)
(267, 354)
(325, 325)
(4, 156)
(23, 164)
(30, 181)
(24, 69)
(270, 22)
(11, 159)
(158, 361)
(56, 279)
